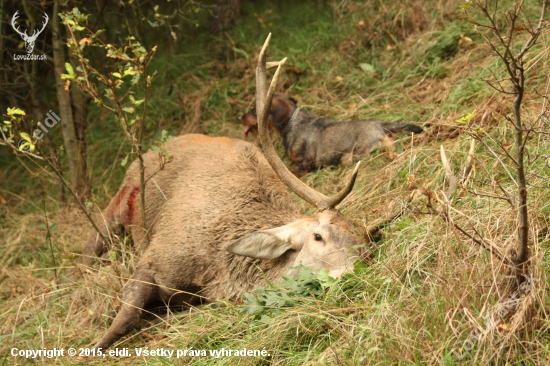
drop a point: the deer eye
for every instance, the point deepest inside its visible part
(318, 237)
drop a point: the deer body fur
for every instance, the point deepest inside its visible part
(215, 192)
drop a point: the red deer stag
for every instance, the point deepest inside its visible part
(223, 222)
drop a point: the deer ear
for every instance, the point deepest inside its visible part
(272, 243)
(259, 245)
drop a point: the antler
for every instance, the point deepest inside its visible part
(263, 105)
(13, 19)
(34, 34)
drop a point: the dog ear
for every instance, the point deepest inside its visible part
(282, 108)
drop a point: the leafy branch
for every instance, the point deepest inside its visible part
(114, 91)
(10, 128)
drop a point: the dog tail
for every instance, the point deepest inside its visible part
(401, 126)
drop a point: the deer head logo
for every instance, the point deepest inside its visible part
(29, 41)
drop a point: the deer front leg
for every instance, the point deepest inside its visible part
(138, 292)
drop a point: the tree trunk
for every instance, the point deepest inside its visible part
(70, 137)
(80, 117)
(38, 111)
(1, 34)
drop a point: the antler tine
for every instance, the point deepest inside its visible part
(263, 106)
(333, 201)
(261, 76)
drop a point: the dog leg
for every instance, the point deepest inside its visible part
(388, 142)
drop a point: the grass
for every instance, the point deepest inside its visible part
(425, 287)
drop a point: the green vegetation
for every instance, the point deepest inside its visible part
(424, 287)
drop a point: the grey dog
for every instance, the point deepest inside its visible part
(313, 141)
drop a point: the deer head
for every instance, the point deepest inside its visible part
(29, 40)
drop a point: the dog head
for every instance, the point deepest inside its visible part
(282, 108)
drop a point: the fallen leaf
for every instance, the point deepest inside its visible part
(463, 41)
(361, 25)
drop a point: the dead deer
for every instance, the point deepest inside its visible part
(312, 141)
(224, 222)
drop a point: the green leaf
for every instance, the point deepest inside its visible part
(324, 278)
(136, 102)
(27, 146)
(117, 74)
(165, 136)
(79, 28)
(359, 267)
(368, 68)
(69, 68)
(25, 136)
(128, 109)
(265, 320)
(464, 120)
(124, 161)
(135, 79)
(112, 255)
(53, 227)
(67, 76)
(251, 304)
(466, 5)
(14, 111)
